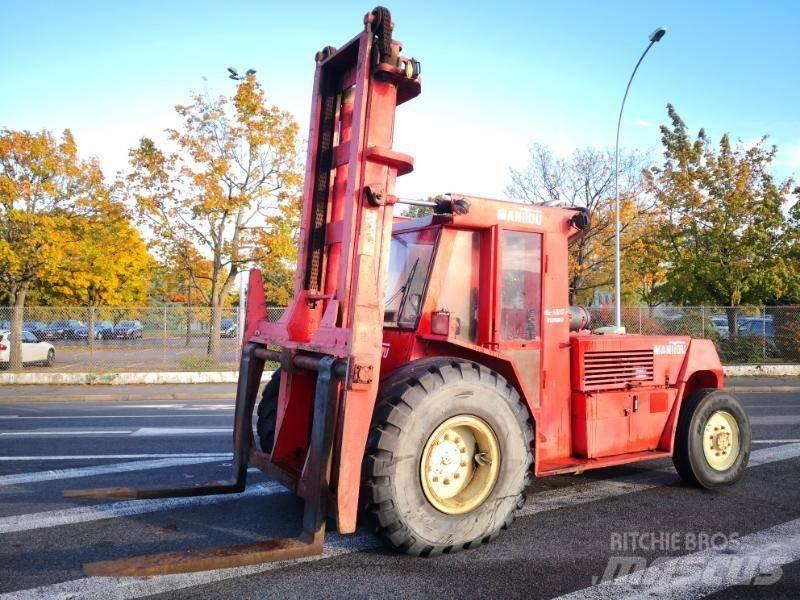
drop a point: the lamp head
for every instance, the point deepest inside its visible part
(658, 34)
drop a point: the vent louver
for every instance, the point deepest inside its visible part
(616, 369)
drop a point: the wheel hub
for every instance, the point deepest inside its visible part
(459, 465)
(721, 440)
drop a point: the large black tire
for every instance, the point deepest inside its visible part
(689, 457)
(412, 404)
(51, 358)
(268, 412)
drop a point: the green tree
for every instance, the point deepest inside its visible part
(726, 230)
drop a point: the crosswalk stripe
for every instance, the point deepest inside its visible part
(701, 573)
(140, 465)
(124, 508)
(121, 432)
(114, 456)
(336, 545)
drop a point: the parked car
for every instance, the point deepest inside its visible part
(720, 324)
(5, 324)
(103, 330)
(758, 326)
(61, 330)
(35, 327)
(33, 351)
(227, 328)
(128, 330)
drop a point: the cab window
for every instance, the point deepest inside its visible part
(521, 268)
(459, 295)
(409, 263)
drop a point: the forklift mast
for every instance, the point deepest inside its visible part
(345, 235)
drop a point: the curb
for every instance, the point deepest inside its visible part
(119, 398)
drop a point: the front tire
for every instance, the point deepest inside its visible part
(51, 358)
(712, 440)
(268, 412)
(448, 458)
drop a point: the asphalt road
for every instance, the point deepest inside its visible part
(572, 535)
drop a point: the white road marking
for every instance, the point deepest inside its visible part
(703, 573)
(773, 454)
(794, 441)
(336, 545)
(776, 420)
(133, 432)
(59, 432)
(135, 587)
(124, 508)
(112, 456)
(141, 465)
(132, 405)
(158, 431)
(215, 415)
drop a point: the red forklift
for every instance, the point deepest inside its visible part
(429, 367)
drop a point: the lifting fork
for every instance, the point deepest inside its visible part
(308, 543)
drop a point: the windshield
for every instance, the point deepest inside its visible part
(409, 263)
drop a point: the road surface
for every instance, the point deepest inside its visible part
(574, 533)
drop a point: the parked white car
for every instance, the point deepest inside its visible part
(33, 351)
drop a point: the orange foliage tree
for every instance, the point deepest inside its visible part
(44, 186)
(231, 175)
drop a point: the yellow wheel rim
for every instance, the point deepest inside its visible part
(460, 464)
(721, 440)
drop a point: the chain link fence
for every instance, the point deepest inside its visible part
(126, 339)
(177, 338)
(743, 334)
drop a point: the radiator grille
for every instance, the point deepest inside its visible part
(616, 369)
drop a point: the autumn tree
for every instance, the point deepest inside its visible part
(184, 278)
(726, 229)
(586, 179)
(43, 186)
(106, 264)
(230, 175)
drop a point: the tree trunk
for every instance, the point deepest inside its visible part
(733, 323)
(17, 319)
(214, 346)
(90, 337)
(188, 312)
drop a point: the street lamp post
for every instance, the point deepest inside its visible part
(654, 37)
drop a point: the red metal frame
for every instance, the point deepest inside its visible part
(337, 308)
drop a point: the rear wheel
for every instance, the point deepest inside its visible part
(51, 358)
(712, 441)
(268, 412)
(447, 459)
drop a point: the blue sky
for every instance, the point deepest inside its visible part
(497, 76)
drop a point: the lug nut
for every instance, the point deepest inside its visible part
(446, 481)
(456, 475)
